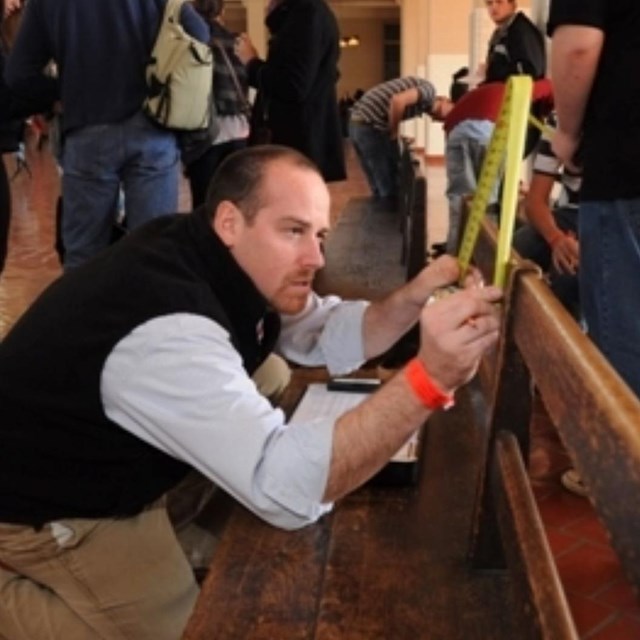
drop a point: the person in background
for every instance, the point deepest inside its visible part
(375, 122)
(203, 151)
(296, 85)
(597, 104)
(106, 405)
(516, 46)
(468, 129)
(101, 50)
(550, 238)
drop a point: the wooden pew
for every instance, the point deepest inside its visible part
(413, 211)
(387, 563)
(597, 416)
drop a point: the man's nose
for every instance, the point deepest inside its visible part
(314, 253)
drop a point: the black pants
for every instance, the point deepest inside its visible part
(200, 171)
(5, 213)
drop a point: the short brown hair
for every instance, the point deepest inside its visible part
(238, 179)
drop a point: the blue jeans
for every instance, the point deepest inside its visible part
(531, 245)
(379, 157)
(97, 160)
(609, 272)
(464, 154)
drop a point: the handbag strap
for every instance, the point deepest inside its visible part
(234, 77)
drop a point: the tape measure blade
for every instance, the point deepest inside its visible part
(520, 104)
(488, 178)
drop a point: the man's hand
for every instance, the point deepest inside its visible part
(389, 318)
(244, 49)
(565, 254)
(455, 332)
(440, 273)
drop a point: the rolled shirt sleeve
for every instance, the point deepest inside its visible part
(177, 383)
(329, 332)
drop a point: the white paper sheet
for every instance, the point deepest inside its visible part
(319, 401)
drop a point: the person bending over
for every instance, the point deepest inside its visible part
(135, 368)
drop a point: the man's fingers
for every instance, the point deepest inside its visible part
(458, 308)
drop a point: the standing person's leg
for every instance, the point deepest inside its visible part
(464, 155)
(90, 185)
(461, 182)
(359, 138)
(378, 159)
(609, 268)
(95, 579)
(150, 171)
(200, 171)
(5, 213)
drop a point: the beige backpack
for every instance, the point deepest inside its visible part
(179, 75)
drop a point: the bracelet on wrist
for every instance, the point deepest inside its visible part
(425, 389)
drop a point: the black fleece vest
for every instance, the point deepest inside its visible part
(60, 456)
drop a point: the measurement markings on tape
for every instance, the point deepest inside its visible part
(506, 148)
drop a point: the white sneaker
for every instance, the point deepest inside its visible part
(572, 481)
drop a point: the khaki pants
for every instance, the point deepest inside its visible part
(115, 579)
(95, 580)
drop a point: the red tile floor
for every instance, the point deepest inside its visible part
(602, 601)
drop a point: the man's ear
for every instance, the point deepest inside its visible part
(227, 221)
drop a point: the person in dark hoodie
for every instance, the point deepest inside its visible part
(516, 45)
(297, 82)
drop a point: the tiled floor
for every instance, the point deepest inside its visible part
(602, 601)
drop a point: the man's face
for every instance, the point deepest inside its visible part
(281, 248)
(500, 10)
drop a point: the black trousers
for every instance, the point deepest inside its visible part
(200, 171)
(5, 213)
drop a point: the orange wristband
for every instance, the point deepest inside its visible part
(425, 388)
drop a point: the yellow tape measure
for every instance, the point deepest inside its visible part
(506, 147)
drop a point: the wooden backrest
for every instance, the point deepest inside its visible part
(595, 412)
(412, 210)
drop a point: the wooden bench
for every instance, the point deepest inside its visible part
(386, 563)
(375, 246)
(597, 417)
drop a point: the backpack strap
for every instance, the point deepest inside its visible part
(172, 10)
(234, 77)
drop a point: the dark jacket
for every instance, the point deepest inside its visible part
(11, 128)
(60, 455)
(101, 50)
(297, 83)
(516, 48)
